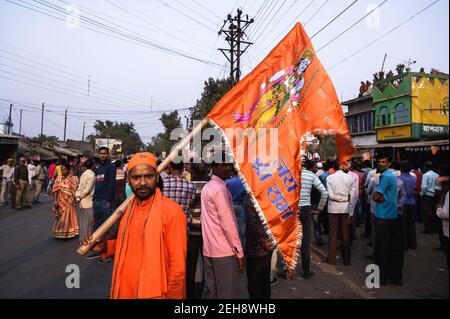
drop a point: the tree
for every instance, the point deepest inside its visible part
(45, 139)
(327, 148)
(213, 91)
(161, 142)
(131, 141)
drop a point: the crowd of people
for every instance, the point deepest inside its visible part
(192, 229)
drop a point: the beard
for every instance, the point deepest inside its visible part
(144, 193)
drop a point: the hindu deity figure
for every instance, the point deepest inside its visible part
(281, 91)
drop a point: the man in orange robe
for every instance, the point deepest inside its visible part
(150, 249)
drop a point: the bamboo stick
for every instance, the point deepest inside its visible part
(118, 213)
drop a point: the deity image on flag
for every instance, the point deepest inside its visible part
(280, 93)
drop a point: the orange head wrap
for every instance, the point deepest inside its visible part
(142, 158)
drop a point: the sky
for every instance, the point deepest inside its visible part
(61, 52)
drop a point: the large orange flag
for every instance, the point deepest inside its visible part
(288, 95)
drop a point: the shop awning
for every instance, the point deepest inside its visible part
(421, 144)
(67, 152)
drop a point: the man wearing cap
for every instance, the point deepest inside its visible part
(22, 185)
(39, 179)
(6, 184)
(320, 170)
(151, 246)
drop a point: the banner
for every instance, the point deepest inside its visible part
(287, 96)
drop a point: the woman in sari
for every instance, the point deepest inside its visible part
(64, 188)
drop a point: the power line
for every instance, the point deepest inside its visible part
(96, 91)
(199, 14)
(260, 23)
(185, 15)
(273, 16)
(106, 99)
(84, 77)
(384, 35)
(284, 31)
(335, 18)
(205, 8)
(140, 37)
(315, 13)
(125, 8)
(114, 33)
(354, 24)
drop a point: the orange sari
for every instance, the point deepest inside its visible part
(66, 223)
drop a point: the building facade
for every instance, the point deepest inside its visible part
(360, 120)
(406, 113)
(411, 107)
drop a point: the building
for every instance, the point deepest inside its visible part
(360, 120)
(407, 113)
(411, 115)
(411, 107)
(8, 147)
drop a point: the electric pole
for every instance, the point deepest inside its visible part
(234, 35)
(65, 124)
(84, 126)
(10, 119)
(42, 123)
(20, 123)
(89, 85)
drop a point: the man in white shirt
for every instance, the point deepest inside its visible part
(5, 182)
(341, 202)
(442, 213)
(31, 172)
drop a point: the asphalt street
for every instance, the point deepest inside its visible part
(33, 265)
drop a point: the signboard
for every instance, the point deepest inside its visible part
(430, 130)
(114, 146)
(394, 133)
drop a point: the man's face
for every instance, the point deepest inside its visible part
(103, 155)
(383, 164)
(314, 169)
(143, 180)
(22, 162)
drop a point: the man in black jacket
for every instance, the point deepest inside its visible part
(104, 193)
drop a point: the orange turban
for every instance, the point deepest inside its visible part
(142, 158)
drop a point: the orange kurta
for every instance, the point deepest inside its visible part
(150, 251)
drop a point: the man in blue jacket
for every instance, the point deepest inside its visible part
(104, 193)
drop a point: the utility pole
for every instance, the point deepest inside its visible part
(234, 36)
(89, 85)
(10, 119)
(20, 123)
(384, 61)
(84, 126)
(42, 123)
(65, 125)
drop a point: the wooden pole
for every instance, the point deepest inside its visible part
(118, 213)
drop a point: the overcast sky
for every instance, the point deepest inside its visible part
(51, 58)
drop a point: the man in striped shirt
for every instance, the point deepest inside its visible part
(178, 189)
(308, 181)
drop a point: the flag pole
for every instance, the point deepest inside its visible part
(118, 213)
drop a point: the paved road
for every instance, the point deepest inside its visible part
(33, 265)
